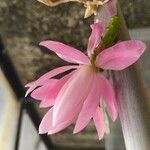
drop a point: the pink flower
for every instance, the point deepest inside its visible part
(77, 97)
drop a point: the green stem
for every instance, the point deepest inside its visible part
(111, 32)
(110, 35)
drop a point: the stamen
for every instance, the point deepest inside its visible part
(106, 120)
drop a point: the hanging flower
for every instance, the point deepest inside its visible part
(79, 96)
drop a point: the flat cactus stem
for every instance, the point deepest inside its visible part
(133, 102)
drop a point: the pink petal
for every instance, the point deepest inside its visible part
(95, 37)
(42, 92)
(89, 107)
(43, 79)
(66, 123)
(107, 12)
(29, 84)
(108, 95)
(51, 95)
(99, 122)
(66, 52)
(46, 123)
(121, 55)
(73, 94)
(31, 88)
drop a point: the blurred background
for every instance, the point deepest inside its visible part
(23, 24)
